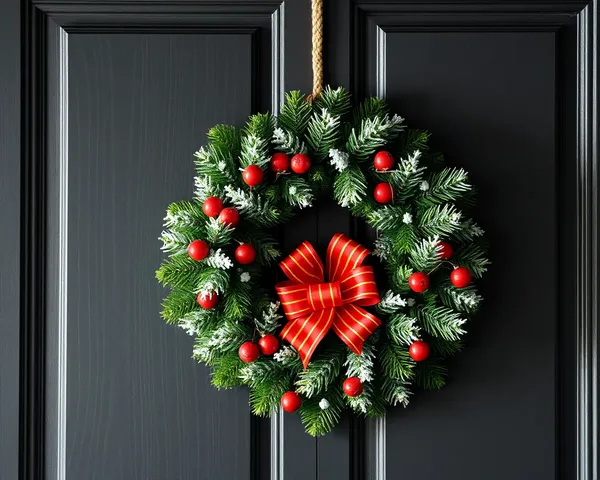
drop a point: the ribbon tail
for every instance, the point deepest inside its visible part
(305, 333)
(354, 325)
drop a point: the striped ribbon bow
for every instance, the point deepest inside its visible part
(313, 306)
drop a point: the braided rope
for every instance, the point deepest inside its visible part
(317, 47)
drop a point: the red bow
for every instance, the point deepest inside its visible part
(313, 307)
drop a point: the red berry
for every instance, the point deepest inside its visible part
(207, 300)
(418, 350)
(212, 206)
(245, 254)
(383, 193)
(383, 161)
(300, 163)
(444, 250)
(198, 250)
(280, 162)
(268, 344)
(418, 282)
(290, 401)
(229, 216)
(248, 352)
(252, 175)
(460, 277)
(352, 387)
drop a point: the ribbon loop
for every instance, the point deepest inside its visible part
(313, 307)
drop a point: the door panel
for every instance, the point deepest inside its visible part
(494, 115)
(116, 96)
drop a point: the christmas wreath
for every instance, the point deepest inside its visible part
(333, 334)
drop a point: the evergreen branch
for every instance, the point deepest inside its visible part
(269, 321)
(204, 188)
(369, 108)
(431, 375)
(178, 303)
(445, 186)
(297, 192)
(402, 329)
(319, 375)
(226, 338)
(468, 231)
(184, 214)
(238, 301)
(426, 255)
(372, 134)
(396, 362)
(317, 420)
(288, 142)
(336, 101)
(466, 300)
(444, 348)
(257, 209)
(390, 302)
(295, 113)
(256, 140)
(442, 322)
(395, 392)
(214, 164)
(361, 366)
(387, 217)
(323, 132)
(440, 220)
(226, 371)
(350, 186)
(474, 258)
(412, 140)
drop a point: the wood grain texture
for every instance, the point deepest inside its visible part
(493, 114)
(138, 406)
(10, 251)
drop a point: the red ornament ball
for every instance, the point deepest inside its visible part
(383, 161)
(229, 216)
(245, 254)
(418, 282)
(418, 350)
(383, 193)
(268, 344)
(352, 387)
(460, 277)
(280, 162)
(207, 301)
(300, 163)
(290, 401)
(198, 250)
(445, 250)
(252, 175)
(212, 206)
(248, 352)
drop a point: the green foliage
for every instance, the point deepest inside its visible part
(320, 374)
(318, 421)
(395, 362)
(431, 375)
(226, 371)
(442, 322)
(426, 208)
(178, 303)
(350, 186)
(446, 186)
(336, 101)
(295, 113)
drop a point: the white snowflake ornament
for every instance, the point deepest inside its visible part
(323, 404)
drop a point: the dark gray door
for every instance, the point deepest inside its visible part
(101, 106)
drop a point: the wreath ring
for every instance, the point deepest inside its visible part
(222, 248)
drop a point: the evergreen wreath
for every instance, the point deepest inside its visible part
(222, 252)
